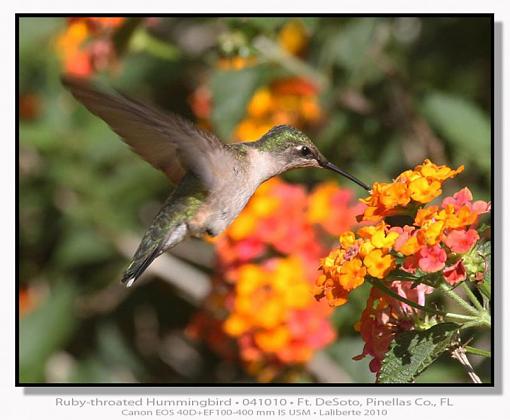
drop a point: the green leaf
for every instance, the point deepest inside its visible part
(463, 124)
(351, 47)
(442, 368)
(411, 352)
(144, 41)
(231, 92)
(81, 246)
(44, 331)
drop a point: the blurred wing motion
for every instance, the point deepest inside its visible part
(167, 141)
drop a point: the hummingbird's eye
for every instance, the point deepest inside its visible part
(305, 151)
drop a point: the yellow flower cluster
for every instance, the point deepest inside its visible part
(345, 268)
(420, 185)
(265, 297)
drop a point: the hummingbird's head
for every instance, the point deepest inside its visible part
(290, 148)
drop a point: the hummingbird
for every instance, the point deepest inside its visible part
(213, 180)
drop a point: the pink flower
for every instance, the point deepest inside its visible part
(464, 198)
(431, 258)
(459, 199)
(481, 207)
(408, 290)
(455, 273)
(461, 241)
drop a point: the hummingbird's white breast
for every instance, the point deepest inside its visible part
(240, 182)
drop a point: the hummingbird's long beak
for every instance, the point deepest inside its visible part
(334, 168)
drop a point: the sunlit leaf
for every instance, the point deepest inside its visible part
(411, 352)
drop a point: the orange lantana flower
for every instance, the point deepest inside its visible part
(419, 186)
(379, 265)
(373, 249)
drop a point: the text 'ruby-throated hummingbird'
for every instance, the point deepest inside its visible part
(214, 180)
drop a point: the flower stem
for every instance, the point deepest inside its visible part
(468, 319)
(472, 296)
(459, 317)
(395, 295)
(478, 352)
(476, 322)
(454, 296)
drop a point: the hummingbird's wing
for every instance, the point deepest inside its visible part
(167, 141)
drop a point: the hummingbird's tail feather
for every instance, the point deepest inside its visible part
(149, 250)
(136, 268)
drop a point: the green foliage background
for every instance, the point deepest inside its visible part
(398, 90)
